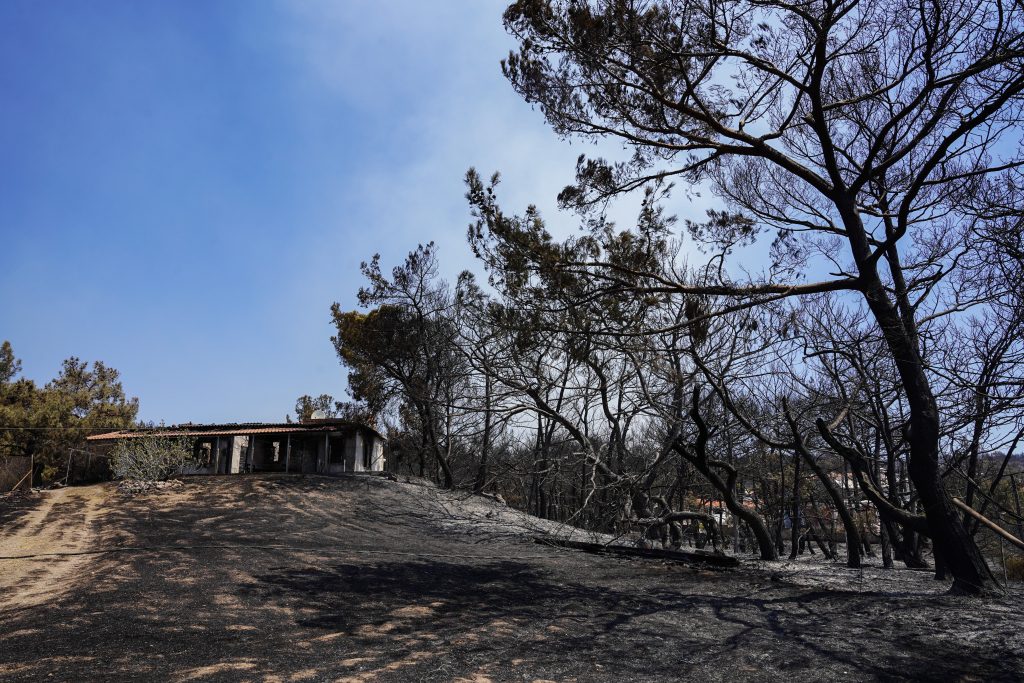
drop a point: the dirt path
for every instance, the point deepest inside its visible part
(39, 543)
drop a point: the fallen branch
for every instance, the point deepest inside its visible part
(650, 553)
(989, 523)
(707, 520)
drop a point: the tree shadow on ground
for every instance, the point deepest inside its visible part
(512, 611)
(206, 595)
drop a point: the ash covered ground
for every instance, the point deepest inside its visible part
(287, 578)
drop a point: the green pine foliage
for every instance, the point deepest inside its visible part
(52, 421)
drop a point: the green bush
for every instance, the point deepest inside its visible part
(151, 458)
(50, 473)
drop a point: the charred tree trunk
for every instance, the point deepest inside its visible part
(485, 447)
(665, 521)
(813, 533)
(780, 544)
(432, 439)
(795, 509)
(853, 556)
(423, 453)
(883, 531)
(950, 537)
(707, 467)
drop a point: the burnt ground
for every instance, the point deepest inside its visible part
(313, 578)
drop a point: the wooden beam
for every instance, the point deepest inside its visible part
(989, 523)
(27, 475)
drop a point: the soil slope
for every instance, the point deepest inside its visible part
(270, 578)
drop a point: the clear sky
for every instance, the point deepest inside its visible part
(186, 187)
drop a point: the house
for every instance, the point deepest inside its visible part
(324, 446)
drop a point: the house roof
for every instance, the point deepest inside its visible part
(233, 429)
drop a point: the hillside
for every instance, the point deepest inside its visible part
(361, 578)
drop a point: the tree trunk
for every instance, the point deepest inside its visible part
(780, 544)
(795, 509)
(726, 488)
(853, 557)
(485, 447)
(959, 552)
(1016, 502)
(883, 530)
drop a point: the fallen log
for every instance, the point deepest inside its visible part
(699, 556)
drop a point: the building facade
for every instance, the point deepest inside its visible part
(323, 446)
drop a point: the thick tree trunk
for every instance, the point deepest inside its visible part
(911, 549)
(898, 326)
(951, 541)
(961, 556)
(883, 530)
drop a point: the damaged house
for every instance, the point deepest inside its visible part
(315, 446)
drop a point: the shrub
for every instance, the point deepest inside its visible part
(1015, 567)
(151, 458)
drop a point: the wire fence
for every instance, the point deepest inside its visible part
(86, 467)
(15, 472)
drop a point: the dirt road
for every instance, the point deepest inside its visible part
(63, 520)
(361, 579)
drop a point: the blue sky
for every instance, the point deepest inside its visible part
(186, 187)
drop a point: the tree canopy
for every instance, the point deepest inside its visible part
(841, 327)
(52, 421)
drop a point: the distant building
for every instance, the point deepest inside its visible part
(315, 446)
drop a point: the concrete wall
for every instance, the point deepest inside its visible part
(359, 443)
(364, 452)
(239, 446)
(377, 454)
